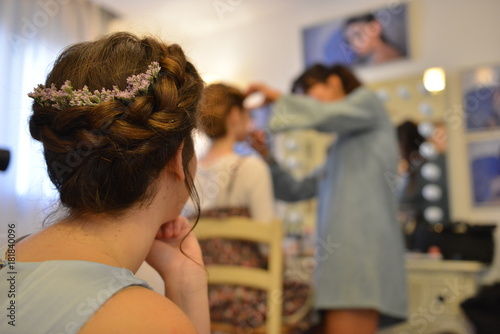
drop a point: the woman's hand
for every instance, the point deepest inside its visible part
(165, 255)
(258, 141)
(271, 94)
(183, 271)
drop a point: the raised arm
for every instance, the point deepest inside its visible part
(353, 113)
(260, 189)
(287, 188)
(182, 271)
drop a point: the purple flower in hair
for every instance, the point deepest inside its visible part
(66, 96)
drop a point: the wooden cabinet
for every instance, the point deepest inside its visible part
(435, 289)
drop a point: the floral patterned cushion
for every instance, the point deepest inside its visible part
(245, 306)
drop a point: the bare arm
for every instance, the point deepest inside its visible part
(183, 271)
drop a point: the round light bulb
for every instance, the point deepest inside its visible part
(432, 192)
(431, 172)
(425, 109)
(425, 129)
(293, 163)
(428, 151)
(433, 214)
(434, 79)
(404, 92)
(291, 144)
(383, 95)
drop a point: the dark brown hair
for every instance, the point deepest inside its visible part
(106, 158)
(409, 140)
(319, 73)
(215, 104)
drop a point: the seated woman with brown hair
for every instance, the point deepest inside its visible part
(230, 184)
(225, 179)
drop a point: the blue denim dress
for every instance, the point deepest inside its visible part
(359, 249)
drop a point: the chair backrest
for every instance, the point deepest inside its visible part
(270, 279)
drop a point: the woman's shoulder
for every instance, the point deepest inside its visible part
(367, 98)
(363, 92)
(253, 164)
(138, 310)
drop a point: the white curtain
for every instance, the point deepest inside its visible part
(32, 33)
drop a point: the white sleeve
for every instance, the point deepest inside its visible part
(257, 179)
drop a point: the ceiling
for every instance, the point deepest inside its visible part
(211, 8)
(128, 7)
(198, 17)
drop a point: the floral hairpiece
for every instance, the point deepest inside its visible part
(69, 97)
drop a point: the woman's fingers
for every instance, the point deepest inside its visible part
(271, 94)
(258, 140)
(173, 229)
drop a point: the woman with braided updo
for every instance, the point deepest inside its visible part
(115, 118)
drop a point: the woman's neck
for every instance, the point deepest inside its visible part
(220, 147)
(116, 242)
(123, 241)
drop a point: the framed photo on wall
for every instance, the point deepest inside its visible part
(481, 98)
(370, 38)
(484, 162)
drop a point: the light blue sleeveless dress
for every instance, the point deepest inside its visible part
(56, 297)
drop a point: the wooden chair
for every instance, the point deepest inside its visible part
(270, 279)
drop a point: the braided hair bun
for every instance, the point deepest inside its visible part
(105, 158)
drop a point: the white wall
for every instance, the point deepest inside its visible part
(449, 33)
(245, 46)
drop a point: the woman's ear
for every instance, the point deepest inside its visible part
(233, 119)
(175, 165)
(233, 116)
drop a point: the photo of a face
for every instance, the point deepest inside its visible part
(481, 98)
(484, 162)
(361, 36)
(367, 39)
